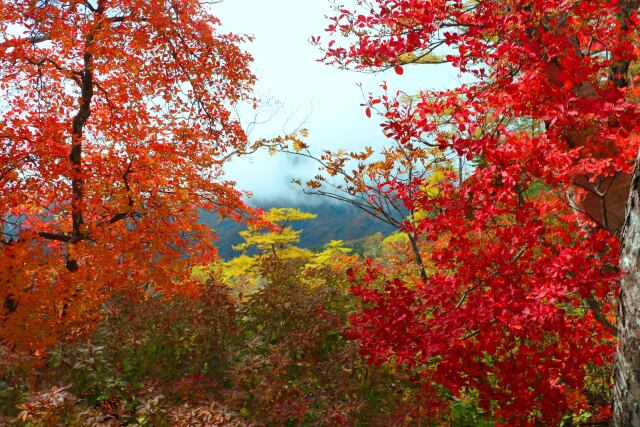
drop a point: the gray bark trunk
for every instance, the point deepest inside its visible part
(626, 393)
(418, 257)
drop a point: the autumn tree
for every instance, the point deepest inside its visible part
(274, 243)
(115, 128)
(278, 239)
(370, 180)
(522, 304)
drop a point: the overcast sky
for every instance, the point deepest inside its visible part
(327, 100)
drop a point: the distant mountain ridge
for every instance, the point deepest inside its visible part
(335, 221)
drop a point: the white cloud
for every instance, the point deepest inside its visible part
(326, 99)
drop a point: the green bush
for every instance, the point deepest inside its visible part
(276, 357)
(297, 368)
(178, 346)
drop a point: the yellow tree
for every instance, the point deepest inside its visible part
(279, 239)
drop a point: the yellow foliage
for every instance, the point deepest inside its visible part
(333, 250)
(204, 272)
(395, 238)
(417, 58)
(241, 275)
(278, 239)
(239, 267)
(432, 187)
(286, 215)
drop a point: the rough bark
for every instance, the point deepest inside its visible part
(75, 157)
(605, 199)
(626, 393)
(418, 258)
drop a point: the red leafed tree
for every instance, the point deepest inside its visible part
(522, 305)
(114, 128)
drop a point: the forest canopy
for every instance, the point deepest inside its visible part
(500, 286)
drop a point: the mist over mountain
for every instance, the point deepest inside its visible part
(335, 221)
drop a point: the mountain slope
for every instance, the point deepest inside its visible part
(334, 222)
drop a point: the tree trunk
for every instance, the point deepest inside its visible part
(418, 258)
(626, 393)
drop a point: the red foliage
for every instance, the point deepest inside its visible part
(521, 300)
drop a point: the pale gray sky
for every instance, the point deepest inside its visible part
(326, 99)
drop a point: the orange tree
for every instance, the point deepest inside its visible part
(115, 127)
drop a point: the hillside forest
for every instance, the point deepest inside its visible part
(480, 267)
